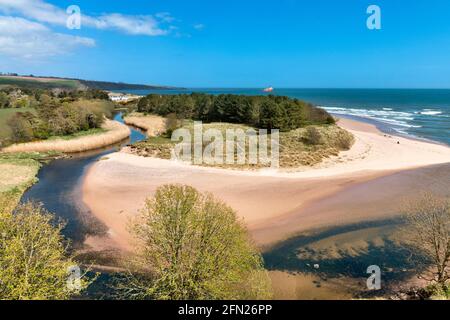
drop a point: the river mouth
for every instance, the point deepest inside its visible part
(59, 189)
(343, 254)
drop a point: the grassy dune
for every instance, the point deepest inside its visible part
(298, 148)
(113, 132)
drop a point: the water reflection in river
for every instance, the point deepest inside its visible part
(59, 189)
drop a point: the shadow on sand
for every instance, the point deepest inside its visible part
(301, 255)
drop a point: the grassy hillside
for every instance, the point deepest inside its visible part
(70, 84)
(105, 85)
(39, 83)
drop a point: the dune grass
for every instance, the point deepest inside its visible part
(113, 132)
(302, 147)
(309, 146)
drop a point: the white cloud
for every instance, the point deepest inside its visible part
(34, 9)
(165, 16)
(135, 25)
(47, 13)
(199, 26)
(21, 38)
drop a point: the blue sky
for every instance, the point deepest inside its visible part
(232, 43)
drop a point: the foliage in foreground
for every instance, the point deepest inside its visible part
(428, 231)
(33, 259)
(191, 246)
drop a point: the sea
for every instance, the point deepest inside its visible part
(416, 113)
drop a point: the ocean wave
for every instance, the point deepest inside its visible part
(429, 112)
(399, 123)
(386, 115)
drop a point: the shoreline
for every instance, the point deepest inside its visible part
(268, 201)
(385, 128)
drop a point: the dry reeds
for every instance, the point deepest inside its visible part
(152, 124)
(116, 132)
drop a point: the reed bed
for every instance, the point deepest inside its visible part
(116, 132)
(152, 124)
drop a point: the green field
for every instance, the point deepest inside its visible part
(37, 83)
(5, 114)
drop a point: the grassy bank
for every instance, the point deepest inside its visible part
(152, 124)
(306, 146)
(18, 172)
(110, 133)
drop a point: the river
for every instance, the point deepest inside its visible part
(59, 189)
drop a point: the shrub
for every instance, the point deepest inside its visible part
(172, 123)
(21, 127)
(33, 259)
(344, 140)
(428, 232)
(313, 136)
(193, 247)
(4, 100)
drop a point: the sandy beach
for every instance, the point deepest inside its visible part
(362, 184)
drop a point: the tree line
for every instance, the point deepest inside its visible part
(59, 114)
(266, 112)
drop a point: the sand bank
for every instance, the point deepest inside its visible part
(116, 132)
(361, 184)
